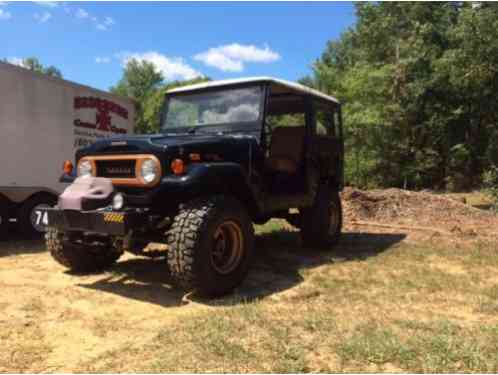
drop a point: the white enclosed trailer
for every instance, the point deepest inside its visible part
(43, 120)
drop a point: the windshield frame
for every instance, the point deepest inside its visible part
(228, 127)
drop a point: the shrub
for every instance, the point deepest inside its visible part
(490, 180)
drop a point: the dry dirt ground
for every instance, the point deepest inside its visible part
(412, 286)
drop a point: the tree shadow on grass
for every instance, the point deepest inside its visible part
(280, 257)
(278, 261)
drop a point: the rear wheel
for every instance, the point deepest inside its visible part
(210, 245)
(31, 218)
(321, 224)
(81, 254)
(4, 217)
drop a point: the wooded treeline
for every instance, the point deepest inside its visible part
(419, 87)
(419, 83)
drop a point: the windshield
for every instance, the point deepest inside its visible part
(213, 108)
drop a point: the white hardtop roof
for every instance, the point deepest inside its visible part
(229, 82)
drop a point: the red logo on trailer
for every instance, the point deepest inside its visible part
(103, 117)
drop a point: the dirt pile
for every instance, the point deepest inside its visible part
(425, 209)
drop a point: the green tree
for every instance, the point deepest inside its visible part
(145, 85)
(33, 64)
(140, 81)
(419, 85)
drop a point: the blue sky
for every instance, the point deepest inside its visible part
(89, 41)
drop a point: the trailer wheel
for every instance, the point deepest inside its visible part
(321, 224)
(31, 219)
(210, 245)
(80, 256)
(4, 217)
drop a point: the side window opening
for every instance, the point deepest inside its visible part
(285, 110)
(285, 128)
(325, 120)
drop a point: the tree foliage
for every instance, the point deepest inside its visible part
(419, 87)
(145, 85)
(33, 64)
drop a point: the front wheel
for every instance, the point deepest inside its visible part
(210, 245)
(78, 255)
(321, 224)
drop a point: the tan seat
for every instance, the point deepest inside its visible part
(286, 149)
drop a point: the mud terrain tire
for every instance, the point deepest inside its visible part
(322, 223)
(210, 245)
(79, 257)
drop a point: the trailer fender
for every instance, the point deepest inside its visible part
(19, 194)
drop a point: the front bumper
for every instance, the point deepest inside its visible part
(97, 221)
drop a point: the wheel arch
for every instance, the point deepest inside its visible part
(42, 193)
(19, 195)
(210, 179)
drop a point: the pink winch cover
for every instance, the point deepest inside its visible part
(85, 187)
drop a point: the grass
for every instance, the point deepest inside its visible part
(25, 356)
(478, 199)
(367, 306)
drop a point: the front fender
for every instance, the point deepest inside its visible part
(208, 178)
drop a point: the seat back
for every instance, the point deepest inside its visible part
(287, 142)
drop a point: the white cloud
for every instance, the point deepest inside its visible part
(43, 17)
(219, 60)
(4, 15)
(49, 4)
(109, 21)
(81, 13)
(171, 67)
(231, 57)
(103, 60)
(16, 61)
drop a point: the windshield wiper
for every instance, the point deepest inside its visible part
(199, 130)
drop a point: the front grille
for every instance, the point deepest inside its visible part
(116, 168)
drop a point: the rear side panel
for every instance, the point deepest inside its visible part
(327, 144)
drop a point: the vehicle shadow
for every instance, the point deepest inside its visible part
(279, 258)
(16, 243)
(142, 279)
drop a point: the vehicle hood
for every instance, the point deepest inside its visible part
(160, 143)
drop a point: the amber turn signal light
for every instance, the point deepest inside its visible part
(177, 166)
(195, 157)
(67, 167)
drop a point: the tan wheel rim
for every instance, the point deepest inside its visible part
(227, 248)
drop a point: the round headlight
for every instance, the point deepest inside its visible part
(149, 170)
(117, 201)
(85, 168)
